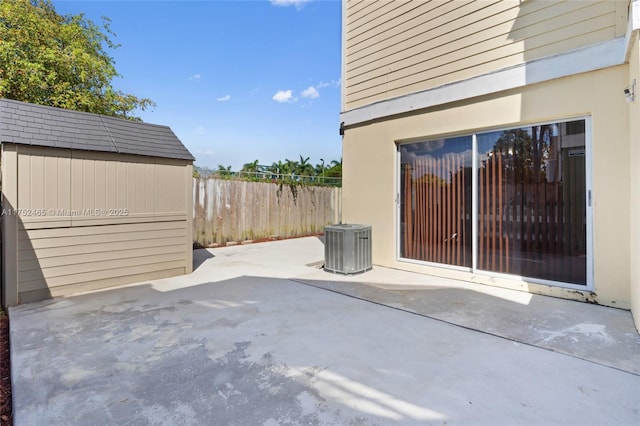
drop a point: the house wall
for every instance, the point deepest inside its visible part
(88, 220)
(370, 173)
(634, 159)
(393, 48)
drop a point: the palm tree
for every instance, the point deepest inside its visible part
(305, 168)
(251, 169)
(335, 170)
(223, 171)
(291, 168)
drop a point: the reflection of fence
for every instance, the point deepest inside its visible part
(238, 210)
(532, 227)
(526, 225)
(436, 215)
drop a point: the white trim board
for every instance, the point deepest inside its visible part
(590, 58)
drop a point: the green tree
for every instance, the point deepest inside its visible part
(305, 169)
(291, 167)
(335, 170)
(61, 61)
(251, 171)
(277, 169)
(223, 172)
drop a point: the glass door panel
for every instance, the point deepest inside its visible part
(532, 218)
(435, 201)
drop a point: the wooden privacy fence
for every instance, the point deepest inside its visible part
(235, 210)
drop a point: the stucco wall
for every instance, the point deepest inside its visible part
(634, 167)
(370, 170)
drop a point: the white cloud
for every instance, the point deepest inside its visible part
(195, 77)
(323, 84)
(310, 92)
(284, 3)
(224, 98)
(283, 96)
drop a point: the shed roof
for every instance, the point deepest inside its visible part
(29, 124)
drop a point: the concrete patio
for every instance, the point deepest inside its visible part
(258, 335)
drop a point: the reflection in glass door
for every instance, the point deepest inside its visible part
(436, 201)
(531, 205)
(532, 218)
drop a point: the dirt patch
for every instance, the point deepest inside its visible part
(5, 371)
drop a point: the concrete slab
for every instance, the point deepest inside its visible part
(239, 343)
(591, 332)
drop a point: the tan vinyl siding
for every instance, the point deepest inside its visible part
(51, 179)
(394, 48)
(90, 218)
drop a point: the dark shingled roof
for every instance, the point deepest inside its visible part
(29, 124)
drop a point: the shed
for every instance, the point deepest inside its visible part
(89, 201)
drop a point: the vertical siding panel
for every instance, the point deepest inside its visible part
(37, 193)
(111, 190)
(122, 184)
(77, 182)
(100, 185)
(64, 180)
(140, 204)
(51, 171)
(132, 188)
(88, 188)
(150, 187)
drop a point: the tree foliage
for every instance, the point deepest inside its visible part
(525, 152)
(60, 61)
(287, 171)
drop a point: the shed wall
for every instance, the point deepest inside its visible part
(88, 220)
(394, 48)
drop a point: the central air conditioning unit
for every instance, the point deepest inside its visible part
(347, 248)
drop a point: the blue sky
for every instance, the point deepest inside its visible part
(235, 80)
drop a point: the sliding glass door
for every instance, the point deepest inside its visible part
(530, 201)
(436, 201)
